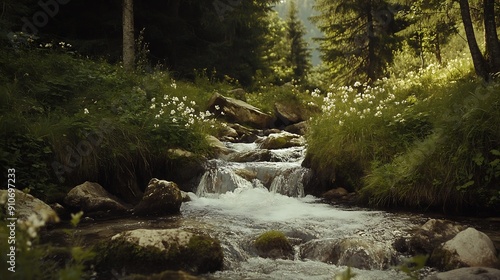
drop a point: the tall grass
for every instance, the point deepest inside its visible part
(429, 139)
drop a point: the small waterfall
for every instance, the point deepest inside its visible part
(290, 182)
(220, 178)
(282, 173)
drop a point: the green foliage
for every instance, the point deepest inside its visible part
(35, 260)
(411, 266)
(299, 56)
(276, 50)
(68, 119)
(346, 275)
(266, 96)
(425, 140)
(359, 38)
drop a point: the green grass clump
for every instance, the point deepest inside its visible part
(68, 119)
(428, 140)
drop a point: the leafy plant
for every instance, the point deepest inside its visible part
(412, 266)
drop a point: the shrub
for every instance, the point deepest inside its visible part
(69, 119)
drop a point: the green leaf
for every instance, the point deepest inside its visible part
(466, 185)
(478, 159)
(75, 218)
(495, 152)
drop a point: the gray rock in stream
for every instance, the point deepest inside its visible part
(467, 273)
(468, 248)
(430, 235)
(93, 199)
(160, 198)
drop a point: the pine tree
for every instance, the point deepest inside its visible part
(359, 37)
(299, 56)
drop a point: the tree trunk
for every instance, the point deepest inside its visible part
(371, 67)
(437, 50)
(480, 64)
(491, 36)
(128, 35)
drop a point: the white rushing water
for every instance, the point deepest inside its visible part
(236, 218)
(236, 209)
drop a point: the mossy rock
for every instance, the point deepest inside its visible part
(273, 244)
(146, 252)
(165, 275)
(281, 140)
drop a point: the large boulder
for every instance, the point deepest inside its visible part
(469, 273)
(281, 140)
(354, 252)
(288, 114)
(234, 110)
(147, 251)
(160, 198)
(217, 146)
(468, 248)
(26, 207)
(430, 235)
(185, 168)
(93, 199)
(298, 128)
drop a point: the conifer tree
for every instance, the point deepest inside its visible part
(299, 55)
(358, 37)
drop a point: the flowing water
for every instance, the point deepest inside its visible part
(235, 202)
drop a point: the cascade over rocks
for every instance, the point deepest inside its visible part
(468, 248)
(147, 251)
(94, 200)
(27, 205)
(160, 198)
(234, 110)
